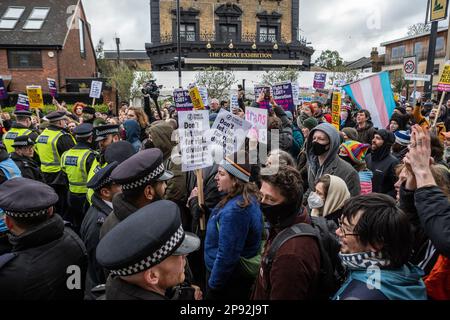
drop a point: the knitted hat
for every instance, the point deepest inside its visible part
(387, 136)
(355, 150)
(238, 165)
(403, 138)
(328, 118)
(310, 123)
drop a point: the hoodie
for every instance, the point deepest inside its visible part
(333, 164)
(133, 132)
(404, 283)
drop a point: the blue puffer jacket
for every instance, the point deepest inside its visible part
(239, 235)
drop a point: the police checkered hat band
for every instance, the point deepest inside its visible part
(157, 257)
(99, 132)
(103, 183)
(31, 214)
(22, 144)
(154, 175)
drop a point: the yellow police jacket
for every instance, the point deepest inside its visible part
(47, 148)
(73, 163)
(8, 138)
(96, 166)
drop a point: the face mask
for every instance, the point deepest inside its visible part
(277, 214)
(319, 149)
(315, 201)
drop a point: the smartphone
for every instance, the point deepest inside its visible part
(267, 94)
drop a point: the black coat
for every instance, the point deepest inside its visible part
(383, 174)
(117, 289)
(90, 234)
(38, 266)
(28, 167)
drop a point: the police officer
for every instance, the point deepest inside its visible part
(104, 191)
(143, 179)
(21, 127)
(50, 145)
(76, 163)
(23, 157)
(45, 254)
(145, 266)
(8, 168)
(88, 115)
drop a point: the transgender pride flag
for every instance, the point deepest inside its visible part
(374, 94)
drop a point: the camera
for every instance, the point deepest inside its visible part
(151, 88)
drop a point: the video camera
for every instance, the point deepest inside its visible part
(151, 88)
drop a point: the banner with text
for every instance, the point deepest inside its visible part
(96, 89)
(35, 97)
(52, 87)
(320, 80)
(23, 103)
(266, 103)
(3, 92)
(258, 119)
(336, 110)
(282, 94)
(182, 100)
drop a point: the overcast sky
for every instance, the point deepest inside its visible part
(352, 27)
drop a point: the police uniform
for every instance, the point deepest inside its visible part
(76, 163)
(28, 167)
(90, 228)
(38, 265)
(18, 130)
(157, 234)
(141, 169)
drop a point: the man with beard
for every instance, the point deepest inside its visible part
(282, 208)
(382, 163)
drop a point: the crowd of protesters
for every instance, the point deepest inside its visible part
(359, 213)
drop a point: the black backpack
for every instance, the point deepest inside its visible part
(332, 272)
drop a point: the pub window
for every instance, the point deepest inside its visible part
(228, 32)
(187, 32)
(398, 52)
(440, 42)
(268, 34)
(82, 43)
(27, 59)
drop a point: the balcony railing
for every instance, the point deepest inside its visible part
(190, 36)
(271, 38)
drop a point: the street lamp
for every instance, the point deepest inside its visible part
(180, 82)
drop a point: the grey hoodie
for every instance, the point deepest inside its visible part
(333, 165)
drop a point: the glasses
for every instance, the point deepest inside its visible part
(345, 233)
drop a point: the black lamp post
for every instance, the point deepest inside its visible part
(180, 83)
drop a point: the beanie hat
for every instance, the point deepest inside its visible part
(401, 109)
(289, 115)
(328, 118)
(399, 119)
(351, 133)
(310, 123)
(238, 165)
(355, 150)
(387, 136)
(403, 138)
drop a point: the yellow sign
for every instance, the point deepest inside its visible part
(444, 83)
(438, 10)
(336, 110)
(35, 96)
(196, 99)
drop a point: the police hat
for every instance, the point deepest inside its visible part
(119, 151)
(89, 110)
(56, 116)
(145, 239)
(102, 132)
(141, 169)
(102, 177)
(22, 141)
(84, 130)
(23, 113)
(39, 198)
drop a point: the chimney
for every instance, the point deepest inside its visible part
(374, 54)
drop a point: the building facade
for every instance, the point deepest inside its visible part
(42, 39)
(232, 35)
(137, 60)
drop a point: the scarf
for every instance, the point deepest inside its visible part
(364, 260)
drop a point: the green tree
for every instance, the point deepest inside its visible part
(121, 77)
(286, 74)
(217, 82)
(343, 74)
(398, 81)
(330, 60)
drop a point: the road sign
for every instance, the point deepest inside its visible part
(409, 65)
(418, 77)
(438, 10)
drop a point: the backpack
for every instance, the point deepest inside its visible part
(332, 272)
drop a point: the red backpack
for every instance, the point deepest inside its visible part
(438, 281)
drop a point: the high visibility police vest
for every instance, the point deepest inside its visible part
(8, 138)
(73, 163)
(47, 148)
(96, 166)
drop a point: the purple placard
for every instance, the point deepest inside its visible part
(3, 93)
(264, 104)
(319, 80)
(182, 100)
(52, 87)
(22, 103)
(282, 94)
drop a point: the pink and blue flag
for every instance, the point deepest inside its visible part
(374, 94)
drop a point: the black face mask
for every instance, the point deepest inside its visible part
(319, 149)
(278, 215)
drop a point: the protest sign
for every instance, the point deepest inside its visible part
(258, 119)
(35, 98)
(321, 95)
(52, 87)
(96, 89)
(282, 94)
(234, 102)
(336, 110)
(266, 103)
(23, 103)
(296, 94)
(196, 98)
(319, 80)
(204, 95)
(305, 94)
(194, 147)
(3, 93)
(182, 100)
(444, 83)
(229, 132)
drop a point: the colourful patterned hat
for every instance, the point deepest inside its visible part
(355, 150)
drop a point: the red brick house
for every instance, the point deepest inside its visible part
(42, 39)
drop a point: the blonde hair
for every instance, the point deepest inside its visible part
(141, 116)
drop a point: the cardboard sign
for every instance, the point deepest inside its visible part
(96, 89)
(194, 145)
(234, 102)
(296, 94)
(282, 94)
(321, 95)
(196, 98)
(320, 80)
(259, 121)
(35, 97)
(23, 103)
(204, 94)
(336, 110)
(182, 100)
(305, 94)
(229, 132)
(266, 103)
(52, 87)
(444, 83)
(3, 93)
